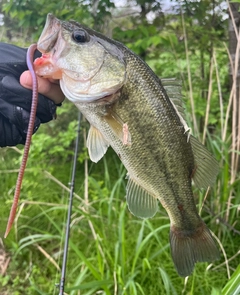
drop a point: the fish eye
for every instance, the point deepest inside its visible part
(80, 36)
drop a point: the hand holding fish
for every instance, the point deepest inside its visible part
(16, 100)
(47, 87)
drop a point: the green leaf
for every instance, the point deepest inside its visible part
(233, 285)
(91, 285)
(216, 291)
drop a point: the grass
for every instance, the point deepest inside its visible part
(110, 251)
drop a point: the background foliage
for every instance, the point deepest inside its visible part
(111, 251)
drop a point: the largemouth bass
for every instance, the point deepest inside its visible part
(129, 109)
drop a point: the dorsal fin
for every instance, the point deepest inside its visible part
(173, 88)
(206, 166)
(140, 202)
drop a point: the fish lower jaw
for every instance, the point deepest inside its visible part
(84, 98)
(105, 97)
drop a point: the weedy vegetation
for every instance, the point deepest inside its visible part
(110, 251)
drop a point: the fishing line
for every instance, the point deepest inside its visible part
(61, 284)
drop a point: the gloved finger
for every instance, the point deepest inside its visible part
(17, 116)
(15, 94)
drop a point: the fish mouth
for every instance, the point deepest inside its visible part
(49, 34)
(44, 67)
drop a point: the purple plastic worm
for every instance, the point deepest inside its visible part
(30, 56)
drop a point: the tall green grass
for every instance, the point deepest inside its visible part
(110, 251)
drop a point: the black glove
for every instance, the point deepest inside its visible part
(15, 100)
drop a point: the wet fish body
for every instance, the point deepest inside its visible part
(129, 109)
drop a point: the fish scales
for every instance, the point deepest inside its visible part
(144, 118)
(129, 109)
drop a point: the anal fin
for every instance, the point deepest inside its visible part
(140, 202)
(206, 166)
(96, 144)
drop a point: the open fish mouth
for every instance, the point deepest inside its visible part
(45, 68)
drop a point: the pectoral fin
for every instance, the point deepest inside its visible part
(96, 144)
(119, 128)
(140, 202)
(206, 165)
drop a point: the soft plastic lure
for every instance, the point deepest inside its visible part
(30, 55)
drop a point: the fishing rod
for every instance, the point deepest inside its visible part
(61, 285)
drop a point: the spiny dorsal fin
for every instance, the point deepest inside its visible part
(206, 165)
(96, 144)
(173, 88)
(140, 202)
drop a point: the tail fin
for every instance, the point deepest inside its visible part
(189, 247)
